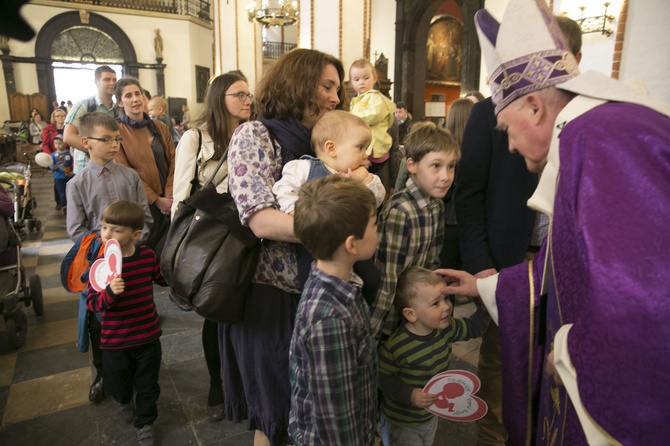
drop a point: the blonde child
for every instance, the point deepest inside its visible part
(157, 108)
(378, 111)
(339, 140)
(332, 357)
(411, 225)
(417, 351)
(130, 335)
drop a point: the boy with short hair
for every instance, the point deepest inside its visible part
(62, 169)
(378, 111)
(130, 340)
(417, 351)
(101, 183)
(411, 225)
(332, 358)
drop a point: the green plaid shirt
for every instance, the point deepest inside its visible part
(411, 232)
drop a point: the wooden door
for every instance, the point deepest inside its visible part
(18, 107)
(39, 101)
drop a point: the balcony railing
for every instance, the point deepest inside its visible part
(199, 9)
(272, 50)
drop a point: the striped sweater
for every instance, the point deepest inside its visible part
(408, 361)
(130, 319)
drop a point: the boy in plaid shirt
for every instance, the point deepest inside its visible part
(333, 358)
(411, 225)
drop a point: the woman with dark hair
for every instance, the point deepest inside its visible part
(36, 126)
(147, 148)
(227, 105)
(297, 91)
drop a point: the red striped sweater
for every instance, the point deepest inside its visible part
(130, 319)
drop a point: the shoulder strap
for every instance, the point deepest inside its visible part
(194, 181)
(91, 105)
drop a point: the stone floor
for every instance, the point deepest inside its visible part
(44, 384)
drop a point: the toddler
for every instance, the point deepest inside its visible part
(130, 335)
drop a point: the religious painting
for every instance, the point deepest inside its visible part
(444, 50)
(201, 79)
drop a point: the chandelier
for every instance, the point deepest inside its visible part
(284, 14)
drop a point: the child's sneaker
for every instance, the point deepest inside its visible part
(127, 412)
(145, 435)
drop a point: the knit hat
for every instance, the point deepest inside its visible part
(525, 52)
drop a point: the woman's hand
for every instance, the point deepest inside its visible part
(164, 204)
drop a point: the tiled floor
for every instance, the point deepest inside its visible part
(44, 384)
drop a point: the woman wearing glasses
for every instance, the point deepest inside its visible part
(147, 147)
(227, 104)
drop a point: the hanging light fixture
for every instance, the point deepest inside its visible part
(283, 14)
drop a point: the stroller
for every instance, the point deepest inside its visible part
(13, 286)
(15, 178)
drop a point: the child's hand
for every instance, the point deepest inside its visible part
(117, 286)
(422, 399)
(361, 174)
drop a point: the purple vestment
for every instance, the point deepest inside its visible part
(609, 277)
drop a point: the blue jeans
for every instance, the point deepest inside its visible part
(422, 435)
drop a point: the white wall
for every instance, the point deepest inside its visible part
(353, 40)
(646, 53)
(327, 28)
(185, 45)
(383, 32)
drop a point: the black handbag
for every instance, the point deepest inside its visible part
(209, 258)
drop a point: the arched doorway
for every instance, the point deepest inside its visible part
(72, 37)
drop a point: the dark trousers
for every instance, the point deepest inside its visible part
(59, 186)
(94, 335)
(210, 345)
(135, 368)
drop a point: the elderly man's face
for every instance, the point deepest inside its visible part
(525, 134)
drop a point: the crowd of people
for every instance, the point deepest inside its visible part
(367, 218)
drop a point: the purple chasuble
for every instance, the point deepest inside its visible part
(610, 278)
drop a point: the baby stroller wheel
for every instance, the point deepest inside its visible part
(38, 225)
(31, 225)
(17, 328)
(23, 235)
(35, 295)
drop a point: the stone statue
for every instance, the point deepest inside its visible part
(158, 43)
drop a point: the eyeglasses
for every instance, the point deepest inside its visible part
(108, 141)
(241, 96)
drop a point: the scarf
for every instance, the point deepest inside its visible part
(292, 136)
(144, 122)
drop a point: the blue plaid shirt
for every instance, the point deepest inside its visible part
(333, 365)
